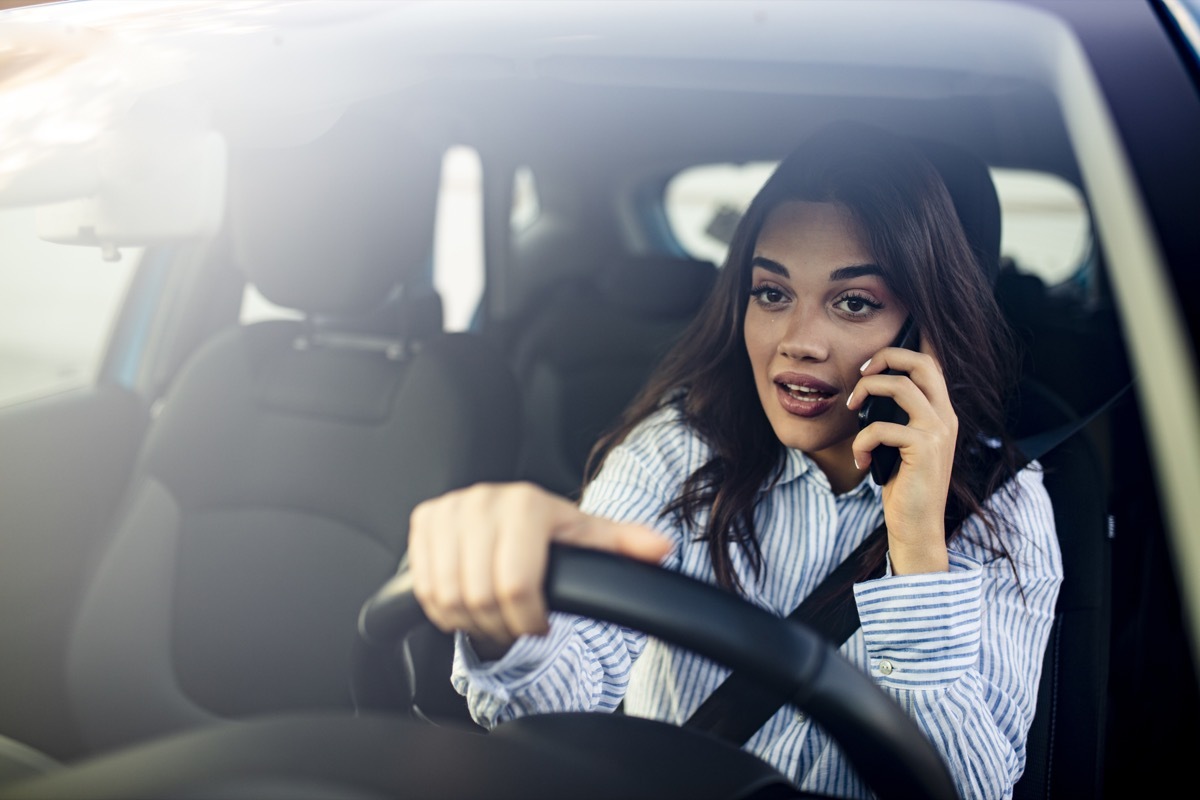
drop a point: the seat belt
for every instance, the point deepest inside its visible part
(739, 707)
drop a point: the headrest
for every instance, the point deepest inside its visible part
(657, 285)
(974, 194)
(333, 226)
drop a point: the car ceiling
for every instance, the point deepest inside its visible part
(609, 129)
(653, 85)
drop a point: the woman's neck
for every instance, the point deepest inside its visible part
(839, 469)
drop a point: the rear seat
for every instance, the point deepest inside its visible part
(589, 350)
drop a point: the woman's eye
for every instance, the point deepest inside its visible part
(857, 305)
(767, 295)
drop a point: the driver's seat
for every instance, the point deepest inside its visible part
(1065, 746)
(273, 492)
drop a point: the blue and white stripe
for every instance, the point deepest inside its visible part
(961, 651)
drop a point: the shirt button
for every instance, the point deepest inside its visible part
(885, 667)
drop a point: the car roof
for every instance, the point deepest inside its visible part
(638, 86)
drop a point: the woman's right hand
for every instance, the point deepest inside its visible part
(478, 557)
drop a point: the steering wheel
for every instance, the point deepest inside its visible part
(884, 744)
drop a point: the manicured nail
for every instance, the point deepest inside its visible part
(856, 466)
(866, 364)
(849, 398)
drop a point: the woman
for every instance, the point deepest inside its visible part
(742, 463)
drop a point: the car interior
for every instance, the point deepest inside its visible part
(238, 495)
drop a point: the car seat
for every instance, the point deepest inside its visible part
(589, 350)
(273, 492)
(1066, 740)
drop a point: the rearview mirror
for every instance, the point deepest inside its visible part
(151, 186)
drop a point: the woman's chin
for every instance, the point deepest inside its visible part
(813, 436)
(817, 446)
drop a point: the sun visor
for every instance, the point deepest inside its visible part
(150, 187)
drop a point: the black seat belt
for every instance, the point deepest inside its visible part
(739, 707)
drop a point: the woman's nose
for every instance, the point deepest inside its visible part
(805, 338)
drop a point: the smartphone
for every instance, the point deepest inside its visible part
(884, 458)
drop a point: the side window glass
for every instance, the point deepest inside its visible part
(58, 305)
(526, 208)
(1045, 227)
(458, 238)
(1186, 15)
(704, 204)
(256, 308)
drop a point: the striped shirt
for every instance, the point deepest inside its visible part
(960, 651)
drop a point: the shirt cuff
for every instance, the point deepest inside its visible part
(490, 685)
(922, 631)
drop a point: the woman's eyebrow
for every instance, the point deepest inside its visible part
(856, 271)
(770, 266)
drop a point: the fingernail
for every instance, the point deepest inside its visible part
(849, 397)
(856, 466)
(866, 364)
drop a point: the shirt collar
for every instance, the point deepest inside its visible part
(795, 464)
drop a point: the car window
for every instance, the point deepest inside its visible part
(256, 308)
(458, 237)
(458, 267)
(1045, 227)
(1186, 15)
(58, 304)
(705, 202)
(526, 207)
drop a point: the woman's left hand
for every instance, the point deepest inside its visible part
(914, 500)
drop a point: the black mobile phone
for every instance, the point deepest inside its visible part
(884, 458)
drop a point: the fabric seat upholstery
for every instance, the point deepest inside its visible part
(590, 349)
(1064, 756)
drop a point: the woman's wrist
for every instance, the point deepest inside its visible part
(915, 559)
(487, 649)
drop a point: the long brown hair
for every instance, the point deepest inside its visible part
(900, 201)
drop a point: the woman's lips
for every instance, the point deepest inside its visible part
(804, 395)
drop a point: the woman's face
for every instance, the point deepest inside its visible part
(818, 309)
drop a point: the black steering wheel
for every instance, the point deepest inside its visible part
(884, 744)
(373, 754)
